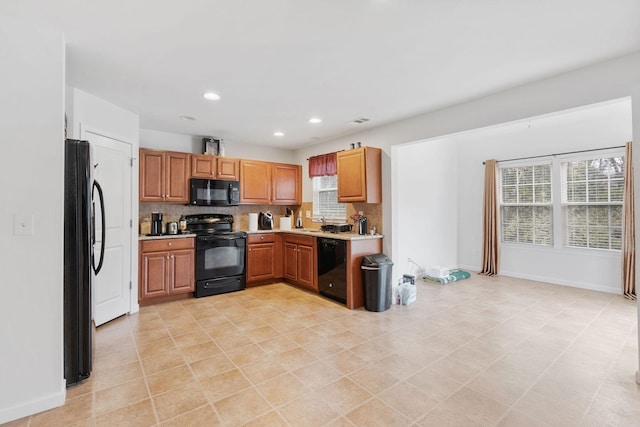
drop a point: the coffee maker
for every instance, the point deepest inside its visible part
(156, 223)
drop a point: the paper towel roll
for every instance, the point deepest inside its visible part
(285, 223)
(253, 222)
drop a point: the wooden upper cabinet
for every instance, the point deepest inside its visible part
(164, 176)
(287, 184)
(177, 177)
(255, 182)
(266, 183)
(360, 175)
(214, 167)
(203, 166)
(228, 168)
(151, 176)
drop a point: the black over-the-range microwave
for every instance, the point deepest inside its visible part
(214, 192)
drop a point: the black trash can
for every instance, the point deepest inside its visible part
(376, 281)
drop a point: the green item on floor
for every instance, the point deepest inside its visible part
(454, 276)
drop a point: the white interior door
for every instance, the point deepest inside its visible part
(112, 169)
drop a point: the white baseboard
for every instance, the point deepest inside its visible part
(552, 280)
(34, 406)
(555, 281)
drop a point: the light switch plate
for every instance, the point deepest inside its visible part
(22, 225)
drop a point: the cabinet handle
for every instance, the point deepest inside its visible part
(250, 249)
(169, 243)
(262, 238)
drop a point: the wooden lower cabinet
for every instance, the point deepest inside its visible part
(356, 250)
(292, 257)
(299, 260)
(262, 253)
(166, 270)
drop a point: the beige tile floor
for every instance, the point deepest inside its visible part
(485, 351)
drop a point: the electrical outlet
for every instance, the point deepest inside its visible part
(360, 213)
(308, 214)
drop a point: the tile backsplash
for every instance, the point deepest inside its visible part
(173, 212)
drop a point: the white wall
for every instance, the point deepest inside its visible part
(31, 172)
(599, 126)
(85, 111)
(193, 144)
(425, 205)
(605, 81)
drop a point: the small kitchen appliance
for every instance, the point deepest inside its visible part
(362, 225)
(265, 221)
(172, 227)
(156, 224)
(299, 220)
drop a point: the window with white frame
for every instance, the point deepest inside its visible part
(526, 205)
(588, 201)
(592, 196)
(325, 199)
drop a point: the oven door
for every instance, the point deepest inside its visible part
(219, 256)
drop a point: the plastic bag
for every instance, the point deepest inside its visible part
(405, 293)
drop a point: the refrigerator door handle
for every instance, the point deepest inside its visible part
(104, 228)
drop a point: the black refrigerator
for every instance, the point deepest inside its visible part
(79, 262)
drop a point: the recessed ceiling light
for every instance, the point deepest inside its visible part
(278, 133)
(187, 118)
(211, 96)
(315, 120)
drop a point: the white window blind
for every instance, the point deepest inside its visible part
(592, 196)
(325, 199)
(526, 204)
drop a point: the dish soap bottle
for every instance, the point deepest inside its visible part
(299, 220)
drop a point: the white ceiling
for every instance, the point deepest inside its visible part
(276, 63)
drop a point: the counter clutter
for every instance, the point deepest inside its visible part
(292, 255)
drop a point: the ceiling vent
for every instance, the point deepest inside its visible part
(360, 120)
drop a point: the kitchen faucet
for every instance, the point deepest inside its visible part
(324, 221)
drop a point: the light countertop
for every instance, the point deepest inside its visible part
(304, 232)
(165, 236)
(318, 233)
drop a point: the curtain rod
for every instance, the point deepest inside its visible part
(559, 154)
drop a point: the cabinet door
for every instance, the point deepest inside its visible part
(152, 176)
(203, 166)
(351, 176)
(260, 262)
(305, 266)
(287, 184)
(177, 177)
(255, 182)
(181, 271)
(290, 266)
(228, 169)
(155, 274)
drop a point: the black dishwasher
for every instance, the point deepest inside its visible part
(332, 269)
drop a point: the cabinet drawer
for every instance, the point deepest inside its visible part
(298, 239)
(167, 244)
(261, 238)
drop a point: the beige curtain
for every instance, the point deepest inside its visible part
(628, 230)
(490, 238)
